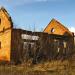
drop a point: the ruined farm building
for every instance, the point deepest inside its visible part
(56, 28)
(18, 44)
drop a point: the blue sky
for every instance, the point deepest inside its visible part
(30, 14)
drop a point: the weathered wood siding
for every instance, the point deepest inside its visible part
(43, 46)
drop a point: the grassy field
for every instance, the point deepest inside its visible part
(55, 67)
(44, 68)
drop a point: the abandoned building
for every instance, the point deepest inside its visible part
(56, 28)
(55, 42)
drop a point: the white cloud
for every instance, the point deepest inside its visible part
(72, 29)
(21, 2)
(47, 0)
(41, 0)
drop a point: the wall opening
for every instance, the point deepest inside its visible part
(52, 30)
(0, 45)
(0, 21)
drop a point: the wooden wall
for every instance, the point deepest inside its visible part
(46, 47)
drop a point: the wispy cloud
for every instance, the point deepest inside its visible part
(20, 2)
(47, 0)
(41, 0)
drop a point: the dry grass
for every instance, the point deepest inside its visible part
(44, 68)
(58, 67)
